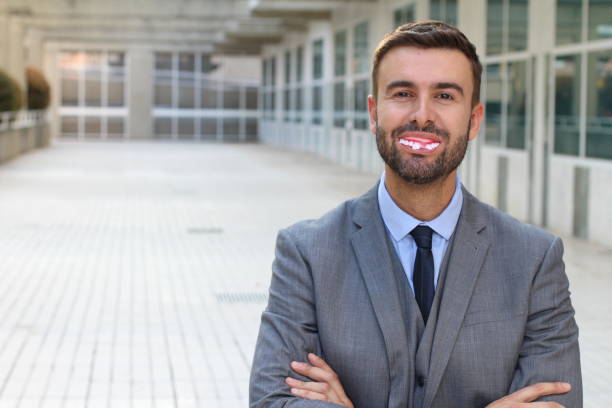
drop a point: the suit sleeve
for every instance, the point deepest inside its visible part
(550, 348)
(288, 330)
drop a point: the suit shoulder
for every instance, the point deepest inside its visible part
(332, 222)
(510, 229)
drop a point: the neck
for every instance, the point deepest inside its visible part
(423, 201)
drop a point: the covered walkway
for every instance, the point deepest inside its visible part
(134, 274)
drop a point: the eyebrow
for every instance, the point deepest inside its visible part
(439, 85)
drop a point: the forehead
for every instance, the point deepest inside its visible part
(424, 66)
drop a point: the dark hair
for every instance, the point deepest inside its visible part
(429, 34)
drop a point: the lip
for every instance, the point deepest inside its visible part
(422, 137)
(420, 143)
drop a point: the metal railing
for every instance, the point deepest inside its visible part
(21, 119)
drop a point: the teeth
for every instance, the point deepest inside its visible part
(418, 146)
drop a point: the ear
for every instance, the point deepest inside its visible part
(476, 120)
(373, 113)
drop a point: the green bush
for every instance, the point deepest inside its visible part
(11, 96)
(38, 89)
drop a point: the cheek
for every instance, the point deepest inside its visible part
(392, 116)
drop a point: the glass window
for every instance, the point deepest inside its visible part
(231, 127)
(600, 19)
(206, 64)
(231, 96)
(361, 104)
(299, 104)
(208, 126)
(186, 128)
(115, 93)
(567, 104)
(251, 128)
(186, 92)
(209, 95)
(317, 104)
(163, 95)
(403, 15)
(451, 12)
(163, 127)
(340, 53)
(70, 88)
(517, 104)
(115, 126)
(272, 71)
(444, 10)
(70, 126)
(339, 104)
(518, 25)
(287, 104)
(186, 62)
(287, 67)
(252, 95)
(264, 72)
(599, 105)
(493, 105)
(569, 21)
(360, 48)
(299, 64)
(495, 26)
(317, 59)
(93, 79)
(93, 126)
(435, 9)
(507, 25)
(163, 61)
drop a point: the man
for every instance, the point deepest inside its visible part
(416, 294)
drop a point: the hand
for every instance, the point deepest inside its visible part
(524, 396)
(326, 385)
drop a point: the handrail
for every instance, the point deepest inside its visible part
(21, 119)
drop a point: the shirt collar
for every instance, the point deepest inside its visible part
(400, 223)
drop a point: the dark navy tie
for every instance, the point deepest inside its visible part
(423, 272)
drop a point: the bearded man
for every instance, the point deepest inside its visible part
(416, 294)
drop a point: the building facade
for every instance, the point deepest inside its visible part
(139, 69)
(296, 73)
(544, 154)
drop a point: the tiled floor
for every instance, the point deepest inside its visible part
(133, 275)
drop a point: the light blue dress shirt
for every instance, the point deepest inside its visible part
(399, 224)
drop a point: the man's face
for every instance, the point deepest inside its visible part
(423, 115)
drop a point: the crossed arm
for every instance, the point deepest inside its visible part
(326, 387)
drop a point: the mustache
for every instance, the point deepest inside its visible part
(413, 127)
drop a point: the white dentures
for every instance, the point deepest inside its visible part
(414, 145)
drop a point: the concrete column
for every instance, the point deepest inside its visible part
(4, 41)
(421, 10)
(472, 18)
(15, 64)
(541, 40)
(140, 97)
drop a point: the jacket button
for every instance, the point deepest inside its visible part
(420, 381)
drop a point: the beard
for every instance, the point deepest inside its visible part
(415, 169)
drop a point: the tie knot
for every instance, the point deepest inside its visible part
(422, 236)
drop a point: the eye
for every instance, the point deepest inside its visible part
(446, 96)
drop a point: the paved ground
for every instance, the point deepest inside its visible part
(133, 275)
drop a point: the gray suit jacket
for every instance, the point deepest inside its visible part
(503, 317)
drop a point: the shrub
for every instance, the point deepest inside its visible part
(11, 97)
(38, 89)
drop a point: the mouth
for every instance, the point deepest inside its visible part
(422, 143)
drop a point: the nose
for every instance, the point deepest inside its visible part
(422, 114)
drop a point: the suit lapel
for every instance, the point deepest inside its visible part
(465, 262)
(372, 253)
